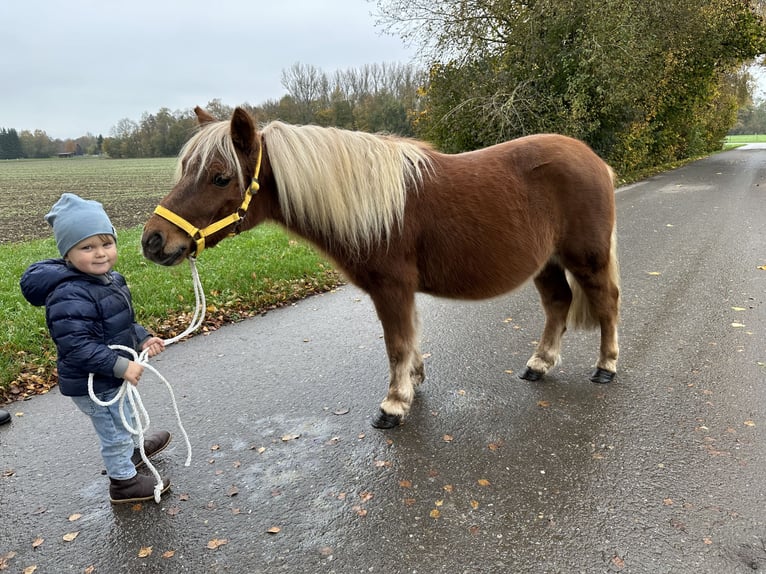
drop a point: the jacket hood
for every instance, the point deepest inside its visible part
(41, 278)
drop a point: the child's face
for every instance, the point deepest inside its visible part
(95, 255)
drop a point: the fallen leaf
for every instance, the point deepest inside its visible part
(474, 504)
(233, 491)
(73, 517)
(435, 513)
(366, 496)
(383, 463)
(405, 484)
(173, 510)
(409, 501)
(30, 569)
(36, 542)
(169, 554)
(448, 488)
(325, 551)
(543, 404)
(137, 507)
(653, 273)
(184, 496)
(69, 536)
(762, 267)
(216, 542)
(739, 309)
(274, 530)
(343, 411)
(448, 438)
(359, 510)
(618, 562)
(439, 503)
(215, 447)
(737, 325)
(667, 501)
(483, 482)
(473, 529)
(707, 540)
(749, 423)
(236, 464)
(89, 570)
(289, 437)
(145, 551)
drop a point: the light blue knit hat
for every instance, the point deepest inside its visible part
(74, 219)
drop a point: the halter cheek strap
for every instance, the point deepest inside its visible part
(198, 235)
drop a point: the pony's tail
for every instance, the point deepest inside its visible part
(581, 313)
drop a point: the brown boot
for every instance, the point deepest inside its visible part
(153, 444)
(136, 489)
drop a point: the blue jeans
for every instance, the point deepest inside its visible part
(117, 443)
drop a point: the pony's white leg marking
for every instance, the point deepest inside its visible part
(401, 390)
(547, 354)
(610, 348)
(417, 372)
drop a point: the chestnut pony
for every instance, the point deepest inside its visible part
(398, 217)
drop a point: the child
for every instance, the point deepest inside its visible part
(87, 308)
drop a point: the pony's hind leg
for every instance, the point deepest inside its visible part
(556, 297)
(598, 305)
(396, 311)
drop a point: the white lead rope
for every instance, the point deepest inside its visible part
(130, 391)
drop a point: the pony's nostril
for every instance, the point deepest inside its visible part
(153, 242)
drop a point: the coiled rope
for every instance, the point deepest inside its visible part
(140, 415)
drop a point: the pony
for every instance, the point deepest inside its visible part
(397, 217)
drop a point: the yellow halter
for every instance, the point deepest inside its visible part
(198, 235)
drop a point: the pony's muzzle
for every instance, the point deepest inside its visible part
(153, 246)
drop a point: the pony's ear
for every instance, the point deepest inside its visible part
(202, 116)
(242, 130)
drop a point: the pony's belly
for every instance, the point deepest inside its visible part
(480, 278)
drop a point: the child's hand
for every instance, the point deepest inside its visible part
(155, 346)
(133, 372)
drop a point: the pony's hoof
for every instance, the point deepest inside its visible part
(602, 376)
(383, 420)
(531, 375)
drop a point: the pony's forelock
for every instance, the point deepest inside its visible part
(212, 139)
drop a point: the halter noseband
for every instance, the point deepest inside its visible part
(198, 235)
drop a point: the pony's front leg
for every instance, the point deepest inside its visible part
(396, 311)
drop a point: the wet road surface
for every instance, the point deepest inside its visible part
(661, 471)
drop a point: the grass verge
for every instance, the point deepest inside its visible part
(242, 276)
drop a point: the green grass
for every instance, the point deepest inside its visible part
(242, 276)
(742, 139)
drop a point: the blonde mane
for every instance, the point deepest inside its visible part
(350, 186)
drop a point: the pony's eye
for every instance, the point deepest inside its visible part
(221, 180)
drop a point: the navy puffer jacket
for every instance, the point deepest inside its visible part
(85, 314)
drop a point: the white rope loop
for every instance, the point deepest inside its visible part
(130, 391)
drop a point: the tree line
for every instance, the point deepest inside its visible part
(373, 98)
(644, 82)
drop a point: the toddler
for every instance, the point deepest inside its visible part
(88, 307)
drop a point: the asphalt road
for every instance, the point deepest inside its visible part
(662, 471)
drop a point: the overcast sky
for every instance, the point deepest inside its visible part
(71, 67)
